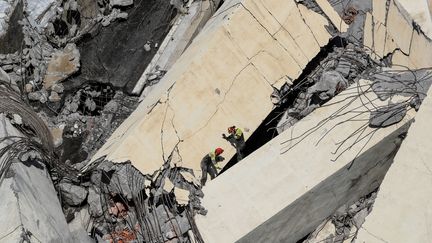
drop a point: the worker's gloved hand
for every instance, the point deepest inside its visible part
(218, 167)
(223, 135)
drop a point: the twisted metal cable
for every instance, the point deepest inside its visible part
(36, 136)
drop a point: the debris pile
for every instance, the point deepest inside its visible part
(69, 62)
(48, 65)
(47, 53)
(86, 119)
(344, 224)
(340, 68)
(121, 204)
(404, 89)
(36, 142)
(343, 66)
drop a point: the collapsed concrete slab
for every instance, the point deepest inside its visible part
(30, 208)
(402, 209)
(225, 77)
(181, 34)
(280, 193)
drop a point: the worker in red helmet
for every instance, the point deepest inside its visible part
(236, 139)
(209, 164)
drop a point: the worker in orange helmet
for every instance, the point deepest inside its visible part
(236, 139)
(209, 164)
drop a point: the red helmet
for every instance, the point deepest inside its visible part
(219, 151)
(231, 129)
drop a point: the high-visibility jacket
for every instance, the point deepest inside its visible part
(238, 133)
(237, 138)
(212, 156)
(214, 159)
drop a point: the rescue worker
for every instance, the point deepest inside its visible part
(209, 164)
(236, 139)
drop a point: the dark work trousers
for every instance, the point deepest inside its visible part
(238, 144)
(207, 166)
(239, 149)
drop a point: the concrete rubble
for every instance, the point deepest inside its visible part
(80, 115)
(105, 202)
(340, 68)
(345, 223)
(115, 102)
(28, 197)
(122, 204)
(62, 64)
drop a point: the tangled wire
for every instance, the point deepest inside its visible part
(36, 139)
(357, 104)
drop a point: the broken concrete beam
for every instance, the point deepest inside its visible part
(225, 77)
(399, 26)
(280, 193)
(402, 209)
(30, 207)
(325, 231)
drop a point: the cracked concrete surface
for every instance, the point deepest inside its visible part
(388, 29)
(208, 94)
(281, 38)
(202, 95)
(284, 193)
(227, 77)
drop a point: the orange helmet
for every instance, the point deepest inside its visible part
(218, 151)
